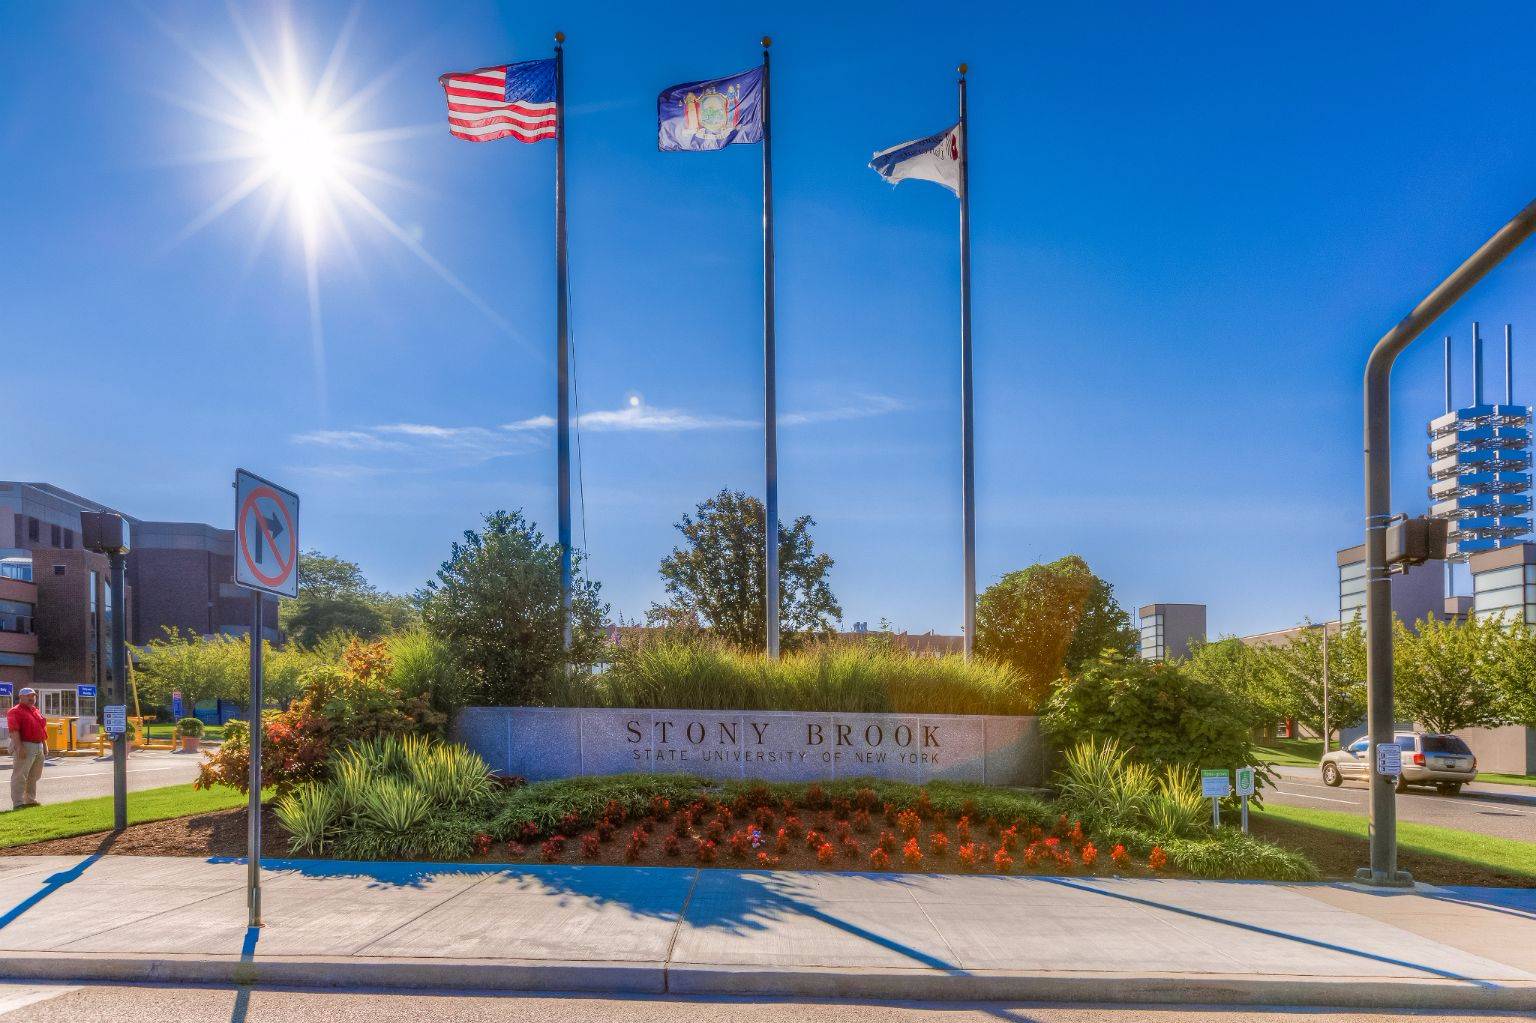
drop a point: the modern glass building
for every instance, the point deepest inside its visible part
(1504, 584)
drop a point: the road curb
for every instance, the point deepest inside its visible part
(654, 978)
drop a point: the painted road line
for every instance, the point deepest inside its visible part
(1326, 799)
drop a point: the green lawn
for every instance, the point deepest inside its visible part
(1297, 752)
(164, 730)
(1504, 854)
(85, 816)
(1507, 779)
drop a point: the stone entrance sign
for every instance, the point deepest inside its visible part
(562, 742)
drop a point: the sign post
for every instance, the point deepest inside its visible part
(1244, 790)
(266, 561)
(1215, 785)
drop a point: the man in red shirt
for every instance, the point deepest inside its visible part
(29, 736)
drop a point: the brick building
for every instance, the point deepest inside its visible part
(55, 597)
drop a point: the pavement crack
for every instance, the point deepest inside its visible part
(677, 928)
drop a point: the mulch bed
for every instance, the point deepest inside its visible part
(221, 833)
(1337, 856)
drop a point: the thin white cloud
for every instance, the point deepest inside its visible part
(396, 447)
(640, 417)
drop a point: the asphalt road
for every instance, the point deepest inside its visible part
(1507, 811)
(68, 1004)
(70, 778)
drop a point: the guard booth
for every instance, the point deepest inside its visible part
(7, 701)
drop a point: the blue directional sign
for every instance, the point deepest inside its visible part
(6, 689)
(177, 710)
(85, 692)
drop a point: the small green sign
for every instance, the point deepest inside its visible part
(1245, 781)
(1215, 783)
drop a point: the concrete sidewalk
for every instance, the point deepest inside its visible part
(686, 931)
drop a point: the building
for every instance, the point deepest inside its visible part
(1416, 594)
(1170, 630)
(56, 600)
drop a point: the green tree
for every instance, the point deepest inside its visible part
(216, 668)
(716, 579)
(1446, 676)
(1104, 625)
(1291, 677)
(1029, 619)
(496, 604)
(1514, 671)
(335, 597)
(1236, 668)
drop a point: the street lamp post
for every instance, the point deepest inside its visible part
(1378, 500)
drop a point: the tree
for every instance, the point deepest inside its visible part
(1446, 676)
(1235, 668)
(717, 578)
(214, 668)
(1029, 619)
(1291, 677)
(496, 604)
(335, 597)
(1104, 625)
(1515, 673)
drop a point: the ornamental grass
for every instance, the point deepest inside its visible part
(833, 678)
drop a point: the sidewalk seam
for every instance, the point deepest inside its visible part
(677, 928)
(406, 923)
(954, 957)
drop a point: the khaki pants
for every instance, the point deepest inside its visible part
(25, 770)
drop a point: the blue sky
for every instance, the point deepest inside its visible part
(1189, 228)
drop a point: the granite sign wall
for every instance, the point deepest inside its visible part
(562, 742)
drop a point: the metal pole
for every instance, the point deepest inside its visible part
(967, 419)
(1509, 364)
(253, 805)
(562, 358)
(1378, 503)
(1327, 731)
(1477, 364)
(1450, 564)
(770, 388)
(117, 562)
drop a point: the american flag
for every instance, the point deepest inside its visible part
(516, 100)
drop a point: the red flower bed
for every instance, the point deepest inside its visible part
(820, 833)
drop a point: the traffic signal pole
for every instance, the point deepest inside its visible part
(1378, 503)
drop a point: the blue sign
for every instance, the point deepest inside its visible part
(176, 708)
(85, 691)
(6, 688)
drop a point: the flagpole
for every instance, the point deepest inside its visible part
(967, 419)
(562, 360)
(770, 395)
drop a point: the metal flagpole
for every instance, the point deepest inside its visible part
(562, 330)
(967, 419)
(253, 805)
(770, 396)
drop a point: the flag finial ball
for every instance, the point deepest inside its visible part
(767, 42)
(559, 37)
(963, 67)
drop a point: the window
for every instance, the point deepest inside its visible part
(16, 660)
(33, 528)
(69, 539)
(55, 535)
(15, 616)
(16, 521)
(1445, 744)
(58, 702)
(58, 569)
(1406, 743)
(1359, 745)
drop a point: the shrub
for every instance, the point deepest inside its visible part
(1157, 859)
(190, 727)
(1156, 712)
(309, 815)
(912, 853)
(880, 860)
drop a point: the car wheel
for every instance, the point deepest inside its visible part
(1331, 776)
(1450, 788)
(1401, 786)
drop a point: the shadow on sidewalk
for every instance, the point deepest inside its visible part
(53, 882)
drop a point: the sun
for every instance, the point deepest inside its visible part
(297, 140)
(301, 150)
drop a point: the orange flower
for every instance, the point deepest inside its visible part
(1158, 859)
